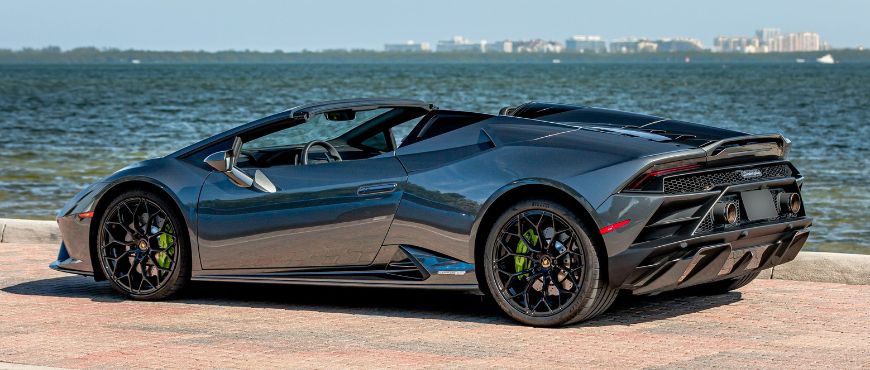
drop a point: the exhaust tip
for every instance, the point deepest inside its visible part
(726, 213)
(789, 202)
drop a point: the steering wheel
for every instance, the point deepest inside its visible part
(331, 155)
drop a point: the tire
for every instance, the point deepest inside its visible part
(724, 286)
(141, 239)
(561, 271)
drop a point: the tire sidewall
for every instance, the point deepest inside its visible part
(589, 273)
(179, 274)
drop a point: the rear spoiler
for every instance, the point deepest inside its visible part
(719, 153)
(741, 147)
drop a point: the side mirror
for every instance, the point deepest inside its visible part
(225, 162)
(219, 161)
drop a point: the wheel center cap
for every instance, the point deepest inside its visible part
(546, 262)
(143, 245)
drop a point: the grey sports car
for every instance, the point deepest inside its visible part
(550, 209)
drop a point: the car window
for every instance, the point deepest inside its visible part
(316, 128)
(440, 122)
(401, 131)
(377, 142)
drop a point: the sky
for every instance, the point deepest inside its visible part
(323, 24)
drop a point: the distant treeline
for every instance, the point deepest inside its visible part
(84, 55)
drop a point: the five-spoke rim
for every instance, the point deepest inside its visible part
(538, 263)
(138, 246)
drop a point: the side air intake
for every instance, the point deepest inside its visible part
(403, 266)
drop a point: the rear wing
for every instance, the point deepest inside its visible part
(742, 148)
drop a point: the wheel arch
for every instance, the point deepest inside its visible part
(109, 194)
(526, 189)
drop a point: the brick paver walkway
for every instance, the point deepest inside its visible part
(54, 319)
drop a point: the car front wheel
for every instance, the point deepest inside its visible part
(141, 246)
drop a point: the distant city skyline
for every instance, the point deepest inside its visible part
(330, 24)
(764, 40)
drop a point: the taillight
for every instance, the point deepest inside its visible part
(657, 171)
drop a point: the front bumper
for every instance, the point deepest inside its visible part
(65, 263)
(74, 255)
(681, 263)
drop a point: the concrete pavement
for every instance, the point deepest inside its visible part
(53, 319)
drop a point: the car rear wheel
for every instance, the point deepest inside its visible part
(542, 268)
(142, 248)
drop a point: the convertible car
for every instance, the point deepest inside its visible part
(549, 209)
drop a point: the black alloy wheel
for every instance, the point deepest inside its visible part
(141, 248)
(542, 268)
(539, 263)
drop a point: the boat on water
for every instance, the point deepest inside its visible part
(557, 61)
(800, 60)
(826, 59)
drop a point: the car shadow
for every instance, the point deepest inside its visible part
(404, 303)
(629, 309)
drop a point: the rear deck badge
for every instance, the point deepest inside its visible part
(750, 174)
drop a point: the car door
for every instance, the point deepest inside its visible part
(321, 215)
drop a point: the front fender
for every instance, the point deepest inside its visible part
(177, 179)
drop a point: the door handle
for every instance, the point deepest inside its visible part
(377, 189)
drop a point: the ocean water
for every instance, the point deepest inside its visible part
(64, 126)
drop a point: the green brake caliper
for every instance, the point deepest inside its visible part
(167, 244)
(523, 263)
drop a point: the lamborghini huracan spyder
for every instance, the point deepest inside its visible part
(550, 209)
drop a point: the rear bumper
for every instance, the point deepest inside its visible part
(681, 263)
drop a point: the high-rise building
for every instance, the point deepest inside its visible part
(764, 35)
(809, 41)
(796, 41)
(771, 40)
(740, 44)
(461, 44)
(585, 44)
(504, 46)
(537, 46)
(408, 47)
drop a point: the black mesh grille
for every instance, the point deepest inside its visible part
(706, 225)
(706, 181)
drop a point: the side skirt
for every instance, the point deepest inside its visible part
(396, 266)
